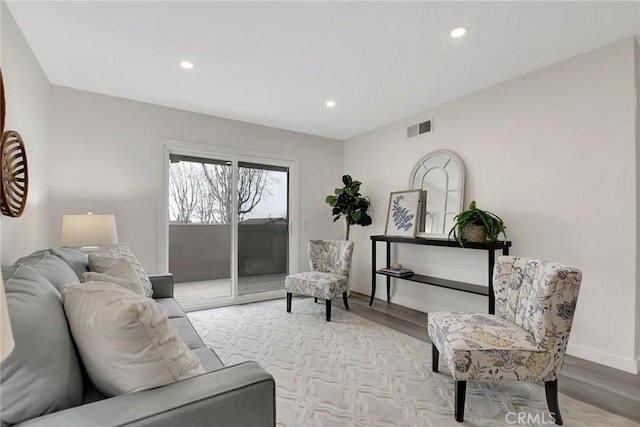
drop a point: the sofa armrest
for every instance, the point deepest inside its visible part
(162, 285)
(237, 396)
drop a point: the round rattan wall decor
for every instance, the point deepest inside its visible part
(15, 177)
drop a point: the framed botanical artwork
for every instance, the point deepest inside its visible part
(403, 213)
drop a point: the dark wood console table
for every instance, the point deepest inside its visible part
(490, 247)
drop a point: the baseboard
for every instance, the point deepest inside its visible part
(406, 302)
(415, 304)
(423, 303)
(604, 358)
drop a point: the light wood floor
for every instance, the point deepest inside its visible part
(607, 388)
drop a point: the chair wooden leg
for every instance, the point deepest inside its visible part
(461, 390)
(328, 303)
(435, 355)
(344, 299)
(551, 391)
(289, 297)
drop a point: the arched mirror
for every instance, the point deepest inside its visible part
(440, 175)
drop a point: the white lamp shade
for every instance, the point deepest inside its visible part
(87, 230)
(6, 337)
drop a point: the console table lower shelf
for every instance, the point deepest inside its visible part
(443, 283)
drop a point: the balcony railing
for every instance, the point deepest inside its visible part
(201, 252)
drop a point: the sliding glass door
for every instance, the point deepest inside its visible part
(263, 227)
(228, 229)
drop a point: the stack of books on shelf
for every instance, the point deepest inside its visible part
(400, 272)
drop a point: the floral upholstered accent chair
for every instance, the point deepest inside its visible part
(330, 262)
(527, 338)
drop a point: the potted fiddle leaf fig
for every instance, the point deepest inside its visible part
(347, 202)
(477, 225)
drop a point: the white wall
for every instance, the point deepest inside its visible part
(108, 156)
(27, 102)
(637, 54)
(553, 153)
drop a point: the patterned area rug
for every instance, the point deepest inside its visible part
(354, 372)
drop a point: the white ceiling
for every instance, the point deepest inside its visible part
(277, 63)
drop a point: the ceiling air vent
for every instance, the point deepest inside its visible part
(419, 129)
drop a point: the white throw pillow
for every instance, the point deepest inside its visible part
(132, 285)
(125, 340)
(122, 251)
(118, 267)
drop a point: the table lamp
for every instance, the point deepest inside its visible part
(89, 231)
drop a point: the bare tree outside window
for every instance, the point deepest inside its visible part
(252, 184)
(206, 207)
(184, 191)
(219, 185)
(201, 192)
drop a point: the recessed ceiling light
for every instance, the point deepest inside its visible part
(458, 32)
(331, 104)
(186, 65)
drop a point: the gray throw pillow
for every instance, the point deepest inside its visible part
(50, 266)
(75, 258)
(42, 374)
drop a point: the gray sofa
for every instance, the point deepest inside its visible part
(43, 382)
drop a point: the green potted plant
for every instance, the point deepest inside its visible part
(348, 202)
(477, 225)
